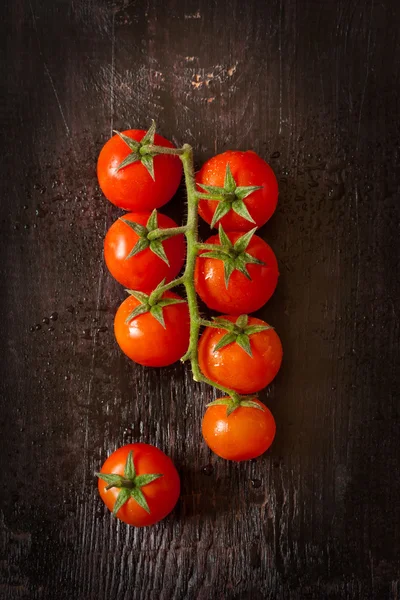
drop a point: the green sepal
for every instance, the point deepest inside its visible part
(239, 207)
(234, 256)
(242, 321)
(251, 329)
(248, 258)
(227, 339)
(222, 209)
(169, 301)
(134, 145)
(238, 332)
(222, 323)
(140, 296)
(138, 495)
(142, 480)
(243, 341)
(212, 189)
(241, 192)
(240, 265)
(157, 312)
(129, 160)
(111, 479)
(252, 404)
(230, 197)
(216, 254)
(219, 402)
(158, 249)
(244, 240)
(148, 137)
(141, 244)
(223, 238)
(233, 404)
(229, 267)
(229, 181)
(129, 472)
(130, 485)
(140, 230)
(148, 162)
(121, 499)
(139, 310)
(152, 222)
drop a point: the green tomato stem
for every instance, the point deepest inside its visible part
(168, 286)
(165, 233)
(208, 247)
(200, 195)
(153, 149)
(187, 279)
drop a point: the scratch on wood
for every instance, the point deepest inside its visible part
(47, 70)
(112, 75)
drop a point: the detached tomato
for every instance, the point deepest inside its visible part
(244, 434)
(132, 187)
(144, 484)
(229, 280)
(246, 186)
(145, 269)
(148, 338)
(245, 358)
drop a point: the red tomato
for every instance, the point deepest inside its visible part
(246, 433)
(132, 187)
(242, 295)
(232, 367)
(248, 169)
(145, 340)
(145, 270)
(160, 495)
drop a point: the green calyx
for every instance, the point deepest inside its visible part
(153, 303)
(234, 256)
(229, 197)
(234, 402)
(238, 333)
(140, 150)
(150, 237)
(130, 484)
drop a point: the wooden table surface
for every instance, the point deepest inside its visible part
(313, 87)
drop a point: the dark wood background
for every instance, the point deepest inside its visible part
(313, 86)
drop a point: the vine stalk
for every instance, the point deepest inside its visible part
(187, 279)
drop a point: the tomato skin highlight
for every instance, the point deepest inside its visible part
(242, 295)
(161, 495)
(132, 188)
(247, 169)
(246, 433)
(145, 341)
(232, 367)
(145, 270)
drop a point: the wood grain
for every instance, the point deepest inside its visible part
(314, 88)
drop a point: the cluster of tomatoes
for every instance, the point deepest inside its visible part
(236, 272)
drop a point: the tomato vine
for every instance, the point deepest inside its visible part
(187, 279)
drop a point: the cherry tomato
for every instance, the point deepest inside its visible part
(160, 495)
(132, 187)
(232, 367)
(145, 341)
(242, 295)
(248, 169)
(246, 433)
(144, 270)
